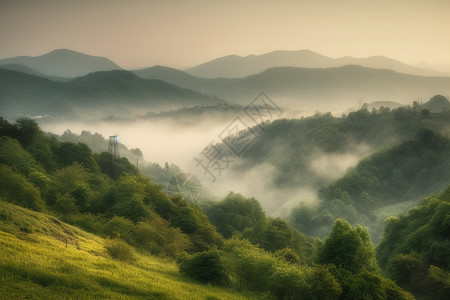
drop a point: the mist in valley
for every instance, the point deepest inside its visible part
(179, 140)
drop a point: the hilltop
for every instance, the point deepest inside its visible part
(63, 63)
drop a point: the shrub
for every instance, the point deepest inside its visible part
(204, 267)
(120, 250)
(294, 282)
(119, 227)
(248, 266)
(65, 204)
(158, 237)
(16, 189)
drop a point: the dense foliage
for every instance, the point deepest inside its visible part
(415, 250)
(96, 192)
(395, 175)
(244, 218)
(352, 257)
(98, 144)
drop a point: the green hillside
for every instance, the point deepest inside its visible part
(304, 141)
(383, 184)
(143, 243)
(415, 250)
(44, 258)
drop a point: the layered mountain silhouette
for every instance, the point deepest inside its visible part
(99, 94)
(63, 63)
(27, 70)
(311, 89)
(314, 87)
(233, 66)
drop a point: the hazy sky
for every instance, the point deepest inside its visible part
(138, 33)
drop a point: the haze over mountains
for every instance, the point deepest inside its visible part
(97, 95)
(238, 66)
(312, 89)
(302, 80)
(63, 63)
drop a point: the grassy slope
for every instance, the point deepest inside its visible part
(43, 258)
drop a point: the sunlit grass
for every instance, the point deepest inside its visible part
(42, 258)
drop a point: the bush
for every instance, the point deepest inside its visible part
(65, 204)
(248, 266)
(119, 227)
(120, 250)
(204, 267)
(286, 281)
(159, 238)
(16, 189)
(293, 282)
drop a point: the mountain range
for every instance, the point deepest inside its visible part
(63, 63)
(45, 84)
(97, 94)
(311, 89)
(234, 66)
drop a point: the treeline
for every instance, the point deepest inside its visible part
(98, 144)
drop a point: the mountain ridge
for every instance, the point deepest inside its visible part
(313, 88)
(98, 94)
(63, 63)
(235, 66)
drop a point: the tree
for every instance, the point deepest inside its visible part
(349, 248)
(83, 195)
(235, 213)
(28, 131)
(68, 153)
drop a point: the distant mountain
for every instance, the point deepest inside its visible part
(438, 67)
(171, 75)
(63, 63)
(437, 103)
(311, 89)
(95, 95)
(234, 66)
(27, 70)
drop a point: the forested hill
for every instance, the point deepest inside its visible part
(309, 142)
(404, 153)
(415, 251)
(384, 184)
(110, 198)
(92, 190)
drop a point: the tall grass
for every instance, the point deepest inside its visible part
(43, 258)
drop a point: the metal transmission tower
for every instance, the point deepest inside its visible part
(113, 146)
